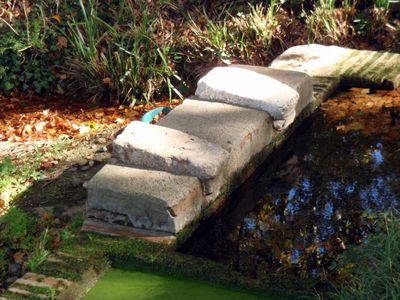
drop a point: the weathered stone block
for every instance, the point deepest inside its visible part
(149, 199)
(258, 88)
(242, 132)
(313, 59)
(354, 67)
(299, 81)
(165, 149)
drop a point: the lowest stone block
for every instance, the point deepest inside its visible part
(145, 199)
(165, 149)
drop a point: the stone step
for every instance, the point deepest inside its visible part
(38, 280)
(315, 60)
(283, 94)
(25, 293)
(164, 149)
(242, 132)
(360, 68)
(144, 199)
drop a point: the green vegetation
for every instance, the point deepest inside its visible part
(16, 229)
(40, 253)
(120, 55)
(132, 51)
(143, 51)
(13, 177)
(373, 268)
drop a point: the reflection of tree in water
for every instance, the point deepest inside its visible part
(314, 206)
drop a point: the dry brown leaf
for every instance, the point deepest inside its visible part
(62, 42)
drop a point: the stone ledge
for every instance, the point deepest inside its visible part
(259, 88)
(146, 199)
(161, 148)
(360, 68)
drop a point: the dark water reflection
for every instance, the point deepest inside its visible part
(298, 216)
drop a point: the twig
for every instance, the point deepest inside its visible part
(27, 21)
(9, 25)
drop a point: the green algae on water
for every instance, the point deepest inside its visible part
(119, 284)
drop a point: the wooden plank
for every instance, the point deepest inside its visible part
(91, 225)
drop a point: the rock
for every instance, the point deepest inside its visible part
(82, 162)
(101, 140)
(85, 168)
(256, 88)
(100, 157)
(151, 200)
(102, 149)
(164, 149)
(91, 163)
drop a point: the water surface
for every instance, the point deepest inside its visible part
(316, 197)
(124, 284)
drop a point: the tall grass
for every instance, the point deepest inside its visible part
(331, 24)
(374, 267)
(244, 36)
(382, 4)
(119, 60)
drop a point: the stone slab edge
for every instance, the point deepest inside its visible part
(361, 68)
(160, 148)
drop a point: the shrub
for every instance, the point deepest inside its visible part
(28, 50)
(121, 60)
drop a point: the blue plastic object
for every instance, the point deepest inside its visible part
(149, 116)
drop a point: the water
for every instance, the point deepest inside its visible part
(126, 284)
(315, 198)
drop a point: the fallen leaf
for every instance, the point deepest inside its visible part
(62, 42)
(56, 18)
(19, 257)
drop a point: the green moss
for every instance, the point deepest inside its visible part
(37, 290)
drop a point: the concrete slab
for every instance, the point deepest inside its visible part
(299, 81)
(144, 199)
(161, 148)
(242, 132)
(238, 86)
(258, 88)
(315, 60)
(360, 68)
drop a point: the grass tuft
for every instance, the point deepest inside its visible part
(373, 269)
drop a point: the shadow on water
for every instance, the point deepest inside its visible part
(311, 201)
